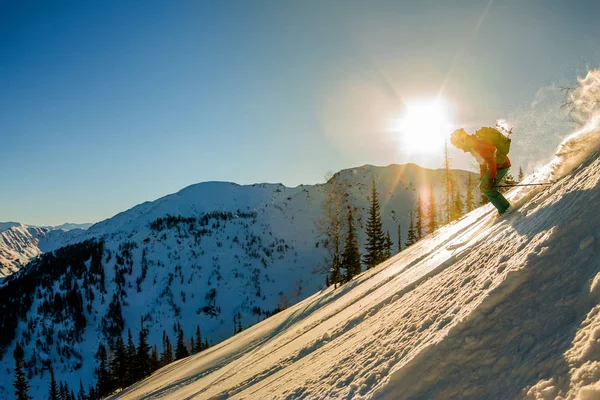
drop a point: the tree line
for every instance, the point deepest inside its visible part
(117, 366)
(344, 260)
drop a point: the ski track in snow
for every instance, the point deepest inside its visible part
(485, 308)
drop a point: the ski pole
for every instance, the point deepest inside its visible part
(527, 184)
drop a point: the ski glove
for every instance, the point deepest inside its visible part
(491, 184)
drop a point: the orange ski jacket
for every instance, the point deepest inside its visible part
(486, 155)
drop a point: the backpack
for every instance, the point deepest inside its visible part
(495, 137)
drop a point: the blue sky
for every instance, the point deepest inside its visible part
(105, 105)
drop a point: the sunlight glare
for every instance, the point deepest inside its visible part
(423, 126)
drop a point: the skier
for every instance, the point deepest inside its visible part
(490, 148)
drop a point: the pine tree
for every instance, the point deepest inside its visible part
(63, 391)
(118, 364)
(330, 226)
(420, 218)
(154, 361)
(448, 188)
(20, 383)
(335, 276)
(239, 320)
(469, 198)
(92, 395)
(412, 232)
(103, 385)
(388, 245)
(143, 352)
(81, 394)
(457, 205)
(351, 254)
(131, 364)
(181, 350)
(375, 240)
(192, 345)
(521, 175)
(399, 238)
(508, 180)
(53, 388)
(167, 355)
(432, 224)
(199, 346)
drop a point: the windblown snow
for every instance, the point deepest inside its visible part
(484, 308)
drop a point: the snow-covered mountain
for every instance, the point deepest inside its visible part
(198, 257)
(69, 226)
(6, 225)
(486, 308)
(397, 186)
(64, 227)
(20, 243)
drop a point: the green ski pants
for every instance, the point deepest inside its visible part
(494, 196)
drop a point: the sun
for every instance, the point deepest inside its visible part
(423, 126)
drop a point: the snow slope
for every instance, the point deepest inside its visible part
(485, 308)
(197, 257)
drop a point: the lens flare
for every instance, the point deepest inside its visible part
(423, 126)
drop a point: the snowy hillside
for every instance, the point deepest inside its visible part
(397, 185)
(19, 243)
(485, 308)
(198, 257)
